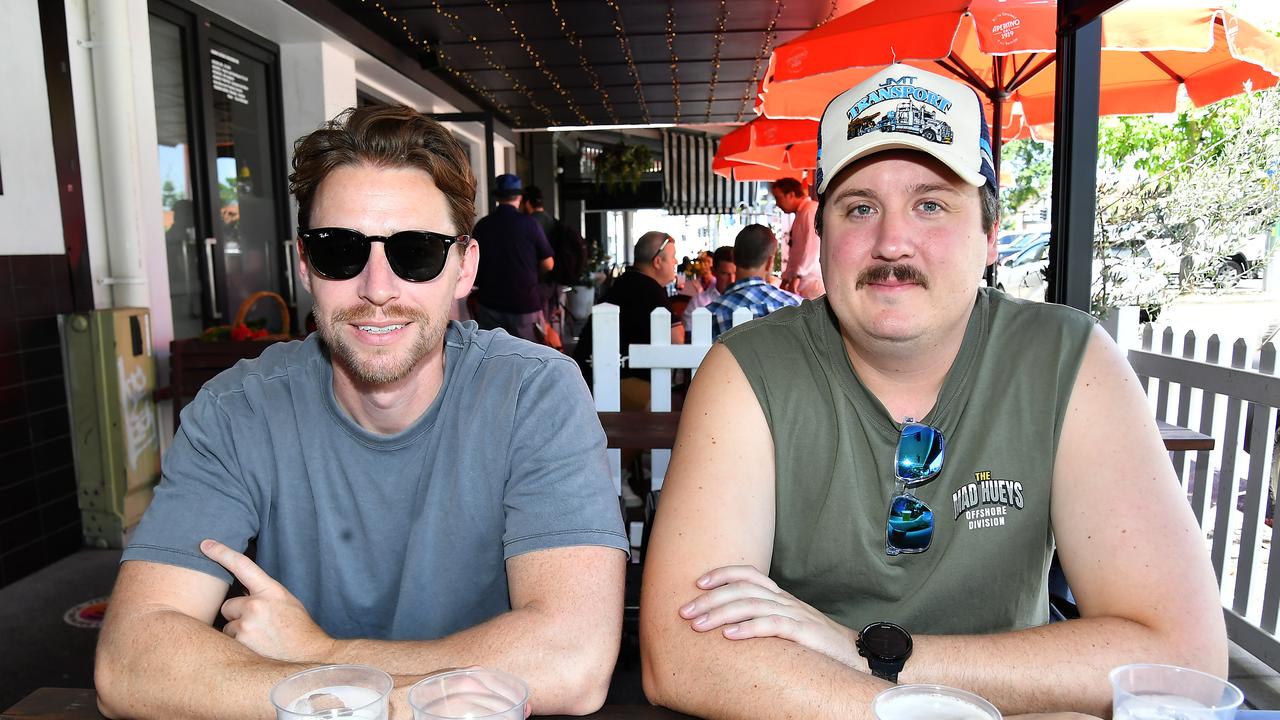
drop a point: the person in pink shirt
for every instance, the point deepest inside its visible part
(802, 274)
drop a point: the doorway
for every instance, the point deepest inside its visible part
(222, 178)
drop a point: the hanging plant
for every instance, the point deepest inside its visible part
(617, 164)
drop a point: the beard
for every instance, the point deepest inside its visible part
(898, 271)
(380, 365)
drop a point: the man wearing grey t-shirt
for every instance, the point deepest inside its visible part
(421, 494)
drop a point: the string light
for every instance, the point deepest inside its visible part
(675, 61)
(576, 43)
(770, 34)
(516, 85)
(465, 77)
(715, 58)
(830, 14)
(537, 61)
(625, 44)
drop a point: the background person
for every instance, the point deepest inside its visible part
(516, 255)
(803, 272)
(753, 251)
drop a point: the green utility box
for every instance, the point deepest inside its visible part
(111, 378)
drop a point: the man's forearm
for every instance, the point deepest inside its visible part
(563, 666)
(1053, 668)
(708, 676)
(1062, 666)
(165, 664)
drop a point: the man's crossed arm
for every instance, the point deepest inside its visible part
(159, 656)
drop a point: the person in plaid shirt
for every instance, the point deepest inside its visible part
(753, 252)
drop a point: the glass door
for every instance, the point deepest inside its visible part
(248, 240)
(222, 167)
(179, 176)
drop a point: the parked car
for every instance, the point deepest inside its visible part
(1018, 244)
(1132, 277)
(1022, 274)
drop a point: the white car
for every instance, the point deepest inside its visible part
(1124, 276)
(1022, 274)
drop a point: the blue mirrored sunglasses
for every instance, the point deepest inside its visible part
(909, 527)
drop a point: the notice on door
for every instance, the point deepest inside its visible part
(226, 80)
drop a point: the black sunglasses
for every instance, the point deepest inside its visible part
(341, 253)
(909, 528)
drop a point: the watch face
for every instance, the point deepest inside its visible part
(887, 641)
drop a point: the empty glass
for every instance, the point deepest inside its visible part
(1167, 692)
(333, 691)
(474, 693)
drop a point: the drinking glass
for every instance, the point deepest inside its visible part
(1166, 692)
(931, 702)
(358, 692)
(475, 693)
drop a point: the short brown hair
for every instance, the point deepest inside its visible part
(754, 246)
(789, 186)
(386, 136)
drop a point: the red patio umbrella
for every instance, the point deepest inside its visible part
(1005, 49)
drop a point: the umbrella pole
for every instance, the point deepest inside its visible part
(997, 138)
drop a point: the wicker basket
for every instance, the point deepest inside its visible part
(250, 301)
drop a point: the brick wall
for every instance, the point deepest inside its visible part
(39, 518)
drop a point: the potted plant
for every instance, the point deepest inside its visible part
(618, 164)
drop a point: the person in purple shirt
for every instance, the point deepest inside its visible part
(514, 252)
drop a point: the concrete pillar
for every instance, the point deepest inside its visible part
(544, 170)
(318, 82)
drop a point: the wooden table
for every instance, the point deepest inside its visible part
(80, 704)
(1180, 438)
(645, 430)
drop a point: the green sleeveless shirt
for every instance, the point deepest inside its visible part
(1001, 410)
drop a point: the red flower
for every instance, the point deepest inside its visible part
(240, 332)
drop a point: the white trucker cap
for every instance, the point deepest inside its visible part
(903, 107)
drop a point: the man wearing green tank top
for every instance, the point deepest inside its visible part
(882, 475)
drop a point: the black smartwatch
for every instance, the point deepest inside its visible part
(886, 647)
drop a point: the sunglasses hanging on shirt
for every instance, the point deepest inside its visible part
(918, 460)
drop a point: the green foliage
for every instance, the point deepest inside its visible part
(618, 164)
(1158, 144)
(170, 195)
(1031, 163)
(228, 191)
(1206, 180)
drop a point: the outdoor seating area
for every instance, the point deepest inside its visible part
(640, 360)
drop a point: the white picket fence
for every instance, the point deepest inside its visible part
(1195, 387)
(659, 356)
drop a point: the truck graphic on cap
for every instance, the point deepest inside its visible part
(907, 117)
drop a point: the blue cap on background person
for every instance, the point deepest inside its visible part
(507, 186)
(904, 107)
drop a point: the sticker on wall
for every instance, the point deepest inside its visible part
(87, 614)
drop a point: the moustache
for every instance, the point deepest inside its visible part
(899, 272)
(365, 311)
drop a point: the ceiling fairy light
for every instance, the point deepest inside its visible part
(770, 34)
(675, 61)
(715, 58)
(830, 14)
(538, 62)
(440, 53)
(516, 85)
(625, 44)
(576, 43)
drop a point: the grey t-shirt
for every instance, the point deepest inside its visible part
(393, 537)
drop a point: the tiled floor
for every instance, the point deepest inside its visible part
(41, 649)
